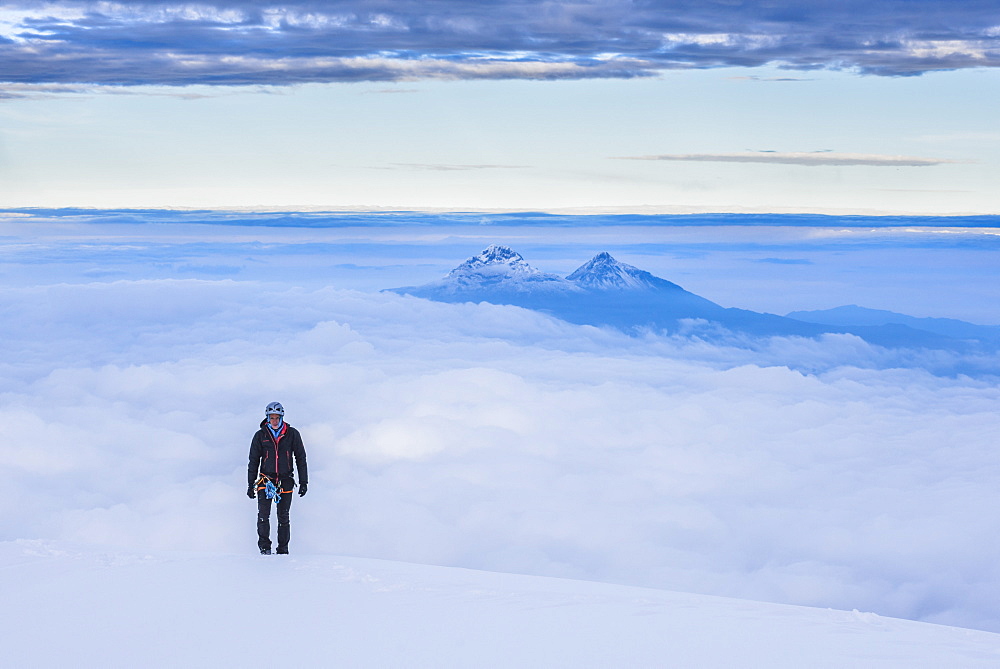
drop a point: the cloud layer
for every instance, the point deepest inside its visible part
(497, 438)
(817, 471)
(239, 43)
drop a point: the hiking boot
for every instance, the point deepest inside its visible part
(265, 551)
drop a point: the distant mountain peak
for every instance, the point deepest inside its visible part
(501, 273)
(603, 272)
(495, 258)
(495, 272)
(606, 292)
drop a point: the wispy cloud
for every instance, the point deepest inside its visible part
(247, 42)
(437, 167)
(756, 78)
(812, 159)
(923, 190)
(34, 91)
(15, 91)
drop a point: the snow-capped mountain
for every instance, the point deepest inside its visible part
(496, 260)
(500, 269)
(497, 271)
(606, 292)
(603, 291)
(602, 272)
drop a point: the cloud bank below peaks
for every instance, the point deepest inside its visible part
(241, 43)
(497, 438)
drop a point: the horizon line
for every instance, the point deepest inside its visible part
(583, 210)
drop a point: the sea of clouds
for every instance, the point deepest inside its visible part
(829, 473)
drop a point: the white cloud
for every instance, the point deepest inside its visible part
(942, 49)
(168, 12)
(749, 42)
(497, 438)
(12, 18)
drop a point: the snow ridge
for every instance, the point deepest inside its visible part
(498, 268)
(496, 259)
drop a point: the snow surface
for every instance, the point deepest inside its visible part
(67, 608)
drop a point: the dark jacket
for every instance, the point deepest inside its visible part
(273, 458)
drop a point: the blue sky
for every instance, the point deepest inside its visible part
(676, 106)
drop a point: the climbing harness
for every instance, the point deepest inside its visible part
(269, 489)
(272, 492)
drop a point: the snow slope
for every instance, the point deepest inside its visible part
(68, 608)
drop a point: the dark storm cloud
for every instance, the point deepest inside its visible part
(291, 42)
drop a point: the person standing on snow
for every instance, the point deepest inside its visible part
(269, 474)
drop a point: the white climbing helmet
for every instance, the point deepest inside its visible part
(274, 407)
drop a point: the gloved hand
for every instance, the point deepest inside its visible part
(251, 492)
(302, 489)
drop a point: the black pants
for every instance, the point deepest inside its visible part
(264, 521)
